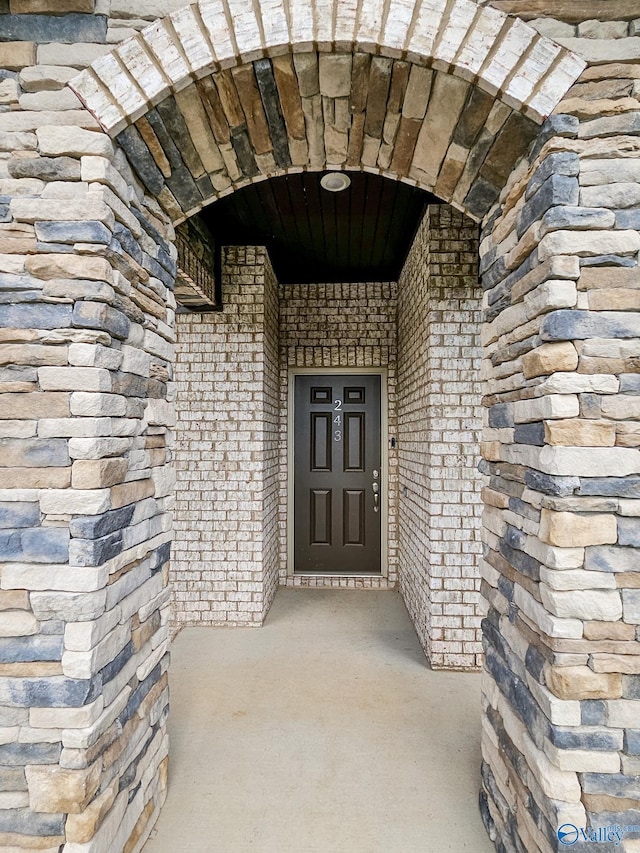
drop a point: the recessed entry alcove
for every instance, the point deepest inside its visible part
(506, 312)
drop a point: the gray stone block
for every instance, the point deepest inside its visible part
(152, 231)
(110, 671)
(35, 452)
(12, 779)
(593, 712)
(481, 197)
(630, 383)
(73, 232)
(607, 261)
(628, 219)
(54, 692)
(21, 754)
(577, 217)
(500, 416)
(568, 324)
(556, 190)
(94, 552)
(622, 487)
(628, 122)
(140, 158)
(629, 531)
(556, 125)
(614, 784)
(96, 315)
(160, 556)
(45, 168)
(58, 29)
(610, 558)
(19, 514)
(632, 741)
(564, 163)
(31, 823)
(97, 526)
(125, 239)
(36, 316)
(551, 485)
(631, 687)
(31, 649)
(35, 545)
(45, 545)
(532, 433)
(590, 737)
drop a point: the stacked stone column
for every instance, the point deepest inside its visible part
(86, 345)
(561, 714)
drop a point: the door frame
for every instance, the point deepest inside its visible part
(384, 464)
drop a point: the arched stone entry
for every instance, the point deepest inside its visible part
(559, 262)
(448, 101)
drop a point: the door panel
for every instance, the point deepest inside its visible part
(337, 459)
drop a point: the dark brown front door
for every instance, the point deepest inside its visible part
(337, 474)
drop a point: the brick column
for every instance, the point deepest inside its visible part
(225, 563)
(438, 436)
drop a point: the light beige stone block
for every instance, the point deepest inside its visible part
(626, 664)
(623, 713)
(577, 579)
(588, 462)
(582, 760)
(97, 473)
(542, 408)
(580, 433)
(74, 501)
(594, 605)
(569, 530)
(581, 682)
(18, 623)
(15, 55)
(622, 407)
(56, 141)
(54, 790)
(74, 378)
(82, 826)
(579, 383)
(549, 358)
(589, 243)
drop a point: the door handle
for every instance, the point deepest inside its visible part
(376, 496)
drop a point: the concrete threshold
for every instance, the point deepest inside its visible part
(325, 731)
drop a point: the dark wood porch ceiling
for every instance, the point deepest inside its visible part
(362, 233)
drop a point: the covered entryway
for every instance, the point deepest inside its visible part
(457, 98)
(322, 732)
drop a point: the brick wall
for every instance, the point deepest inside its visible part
(339, 325)
(439, 423)
(224, 566)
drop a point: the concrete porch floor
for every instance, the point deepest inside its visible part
(324, 731)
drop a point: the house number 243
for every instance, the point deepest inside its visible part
(337, 420)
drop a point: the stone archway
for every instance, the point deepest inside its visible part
(213, 97)
(91, 494)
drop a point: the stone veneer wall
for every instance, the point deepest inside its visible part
(561, 706)
(86, 346)
(224, 567)
(439, 424)
(348, 326)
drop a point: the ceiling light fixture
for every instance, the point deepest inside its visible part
(335, 182)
